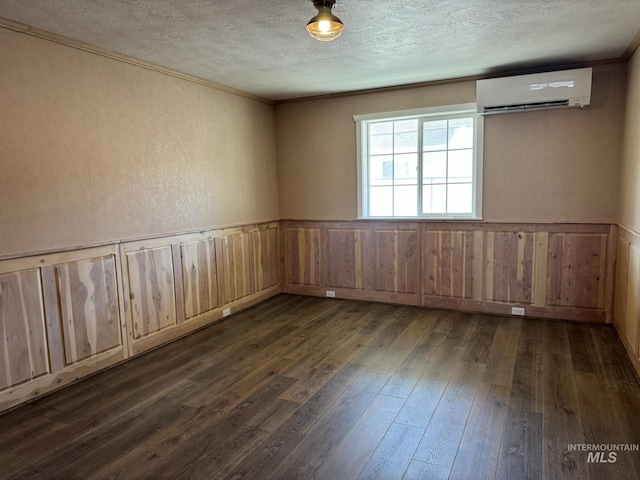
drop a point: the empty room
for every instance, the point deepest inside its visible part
(304, 239)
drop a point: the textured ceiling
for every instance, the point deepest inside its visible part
(261, 46)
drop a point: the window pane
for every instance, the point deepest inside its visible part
(434, 167)
(434, 135)
(460, 166)
(461, 133)
(420, 165)
(434, 199)
(406, 169)
(381, 170)
(381, 144)
(380, 128)
(460, 199)
(405, 201)
(405, 142)
(381, 201)
(406, 125)
(406, 136)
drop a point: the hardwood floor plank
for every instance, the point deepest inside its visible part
(200, 451)
(462, 329)
(616, 367)
(561, 417)
(326, 368)
(349, 457)
(441, 440)
(265, 460)
(424, 398)
(583, 350)
(422, 471)
(602, 425)
(77, 458)
(195, 438)
(406, 376)
(498, 369)
(327, 433)
(395, 324)
(521, 448)
(394, 453)
(480, 444)
(403, 344)
(484, 333)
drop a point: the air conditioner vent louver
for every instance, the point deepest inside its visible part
(527, 106)
(522, 93)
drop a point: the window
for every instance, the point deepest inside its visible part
(421, 163)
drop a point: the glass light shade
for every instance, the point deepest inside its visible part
(325, 26)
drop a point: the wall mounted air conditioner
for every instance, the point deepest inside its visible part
(567, 88)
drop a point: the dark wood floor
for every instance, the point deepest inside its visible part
(302, 387)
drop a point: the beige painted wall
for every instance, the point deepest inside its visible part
(630, 168)
(94, 150)
(550, 166)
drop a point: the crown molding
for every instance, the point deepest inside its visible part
(85, 47)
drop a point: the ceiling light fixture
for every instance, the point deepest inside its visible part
(325, 26)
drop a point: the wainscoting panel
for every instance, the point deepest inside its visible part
(508, 267)
(346, 257)
(266, 257)
(302, 251)
(61, 317)
(151, 290)
(199, 277)
(377, 261)
(183, 282)
(397, 260)
(577, 269)
(449, 269)
(23, 349)
(627, 293)
(550, 270)
(235, 266)
(90, 315)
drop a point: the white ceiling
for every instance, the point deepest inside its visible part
(262, 47)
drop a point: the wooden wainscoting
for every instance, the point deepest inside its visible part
(62, 319)
(69, 314)
(551, 270)
(627, 294)
(377, 261)
(180, 283)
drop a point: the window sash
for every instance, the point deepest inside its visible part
(418, 181)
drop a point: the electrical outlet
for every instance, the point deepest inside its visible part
(226, 312)
(517, 311)
(331, 294)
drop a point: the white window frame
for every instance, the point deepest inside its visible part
(445, 111)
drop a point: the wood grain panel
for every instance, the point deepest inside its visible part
(199, 277)
(55, 342)
(509, 266)
(449, 263)
(23, 349)
(346, 262)
(632, 314)
(576, 269)
(622, 275)
(235, 266)
(152, 290)
(265, 258)
(397, 261)
(89, 307)
(302, 256)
